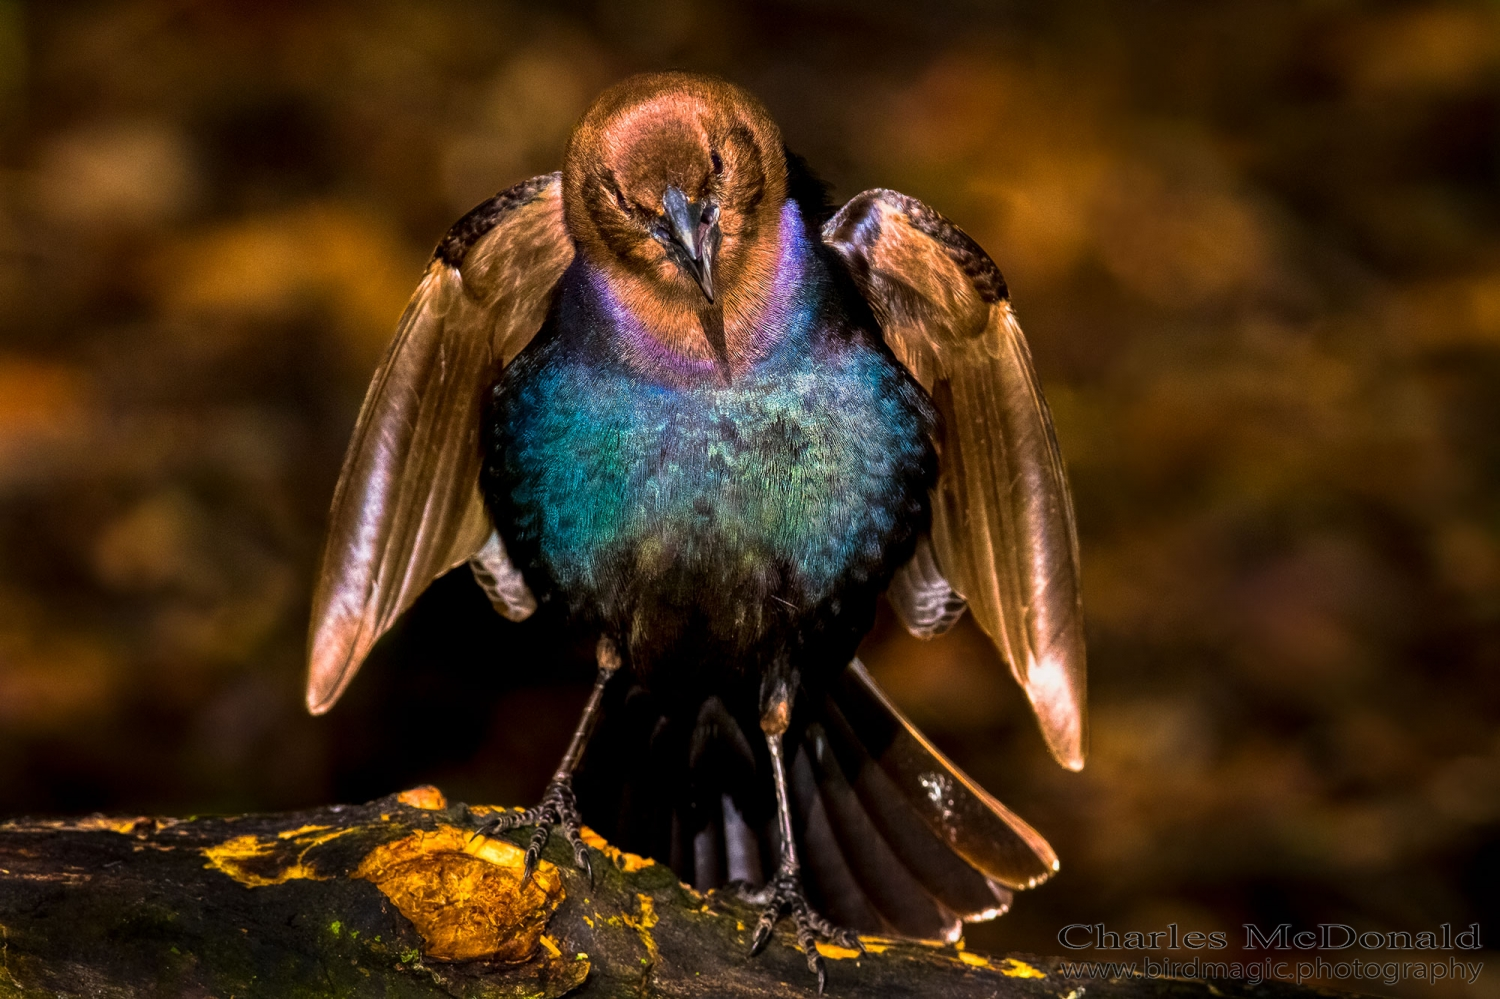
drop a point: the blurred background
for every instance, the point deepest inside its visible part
(1256, 248)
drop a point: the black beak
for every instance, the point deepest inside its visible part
(692, 236)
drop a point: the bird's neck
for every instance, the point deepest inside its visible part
(768, 309)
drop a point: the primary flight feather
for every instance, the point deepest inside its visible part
(661, 393)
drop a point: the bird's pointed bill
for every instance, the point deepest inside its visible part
(694, 235)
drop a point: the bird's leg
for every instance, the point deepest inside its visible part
(558, 805)
(783, 894)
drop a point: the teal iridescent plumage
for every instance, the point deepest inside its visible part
(712, 512)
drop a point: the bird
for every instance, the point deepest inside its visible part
(673, 394)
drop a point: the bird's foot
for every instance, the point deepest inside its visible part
(784, 895)
(558, 807)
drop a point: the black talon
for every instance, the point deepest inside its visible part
(557, 808)
(785, 897)
(762, 934)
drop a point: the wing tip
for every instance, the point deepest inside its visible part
(319, 702)
(1073, 760)
(1066, 743)
(1054, 685)
(329, 673)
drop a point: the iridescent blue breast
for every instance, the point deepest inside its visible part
(739, 520)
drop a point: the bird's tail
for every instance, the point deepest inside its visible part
(893, 837)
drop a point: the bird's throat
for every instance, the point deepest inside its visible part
(769, 298)
(712, 320)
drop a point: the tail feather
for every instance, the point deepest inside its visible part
(986, 834)
(894, 838)
(834, 887)
(709, 853)
(742, 848)
(944, 874)
(666, 749)
(623, 792)
(900, 898)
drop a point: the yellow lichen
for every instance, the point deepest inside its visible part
(973, 960)
(426, 796)
(478, 810)
(236, 857)
(627, 862)
(1012, 968)
(256, 862)
(464, 894)
(875, 945)
(123, 824)
(642, 924)
(835, 952)
(119, 824)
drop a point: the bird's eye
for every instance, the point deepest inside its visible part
(619, 195)
(718, 163)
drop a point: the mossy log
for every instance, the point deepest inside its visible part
(395, 899)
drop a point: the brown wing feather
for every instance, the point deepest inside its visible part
(407, 507)
(1003, 527)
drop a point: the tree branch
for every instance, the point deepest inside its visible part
(394, 899)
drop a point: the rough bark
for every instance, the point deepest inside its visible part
(394, 899)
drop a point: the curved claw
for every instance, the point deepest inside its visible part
(582, 861)
(558, 807)
(762, 933)
(534, 851)
(808, 941)
(785, 895)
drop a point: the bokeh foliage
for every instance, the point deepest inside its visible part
(1256, 249)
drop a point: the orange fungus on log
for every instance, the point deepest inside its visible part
(464, 895)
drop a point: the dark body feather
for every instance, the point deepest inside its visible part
(718, 531)
(724, 532)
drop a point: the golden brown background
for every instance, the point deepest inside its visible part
(1256, 247)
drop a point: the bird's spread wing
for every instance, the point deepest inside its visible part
(407, 507)
(1003, 530)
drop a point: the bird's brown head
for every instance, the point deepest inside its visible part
(673, 184)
